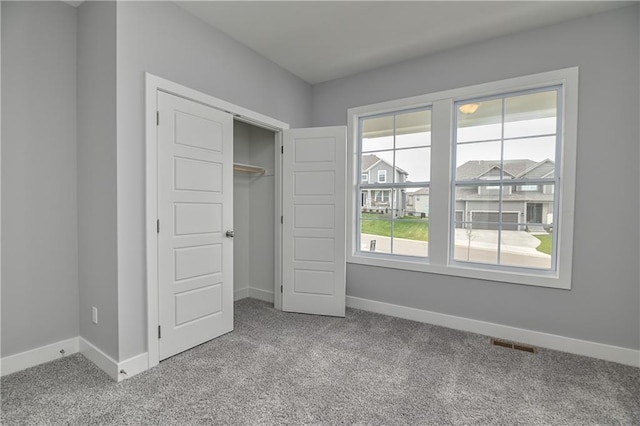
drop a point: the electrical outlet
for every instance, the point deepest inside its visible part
(94, 315)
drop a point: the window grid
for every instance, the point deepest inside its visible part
(392, 186)
(552, 182)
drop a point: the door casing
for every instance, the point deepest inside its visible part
(153, 84)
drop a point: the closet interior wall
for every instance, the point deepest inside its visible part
(253, 217)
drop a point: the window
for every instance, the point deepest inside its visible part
(398, 145)
(365, 177)
(469, 181)
(509, 139)
(382, 197)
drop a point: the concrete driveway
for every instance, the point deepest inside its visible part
(518, 248)
(513, 241)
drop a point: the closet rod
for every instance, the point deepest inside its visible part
(247, 168)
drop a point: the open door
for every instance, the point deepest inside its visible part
(195, 211)
(314, 221)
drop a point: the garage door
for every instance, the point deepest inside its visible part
(509, 220)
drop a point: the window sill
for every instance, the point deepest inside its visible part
(548, 279)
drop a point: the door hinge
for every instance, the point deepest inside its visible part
(159, 332)
(157, 118)
(281, 289)
(281, 219)
(158, 225)
(282, 149)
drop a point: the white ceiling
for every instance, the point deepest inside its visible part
(323, 40)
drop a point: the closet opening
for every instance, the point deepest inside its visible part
(255, 211)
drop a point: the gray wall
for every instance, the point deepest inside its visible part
(97, 272)
(603, 304)
(165, 40)
(262, 209)
(39, 219)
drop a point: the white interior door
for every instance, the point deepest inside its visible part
(314, 221)
(195, 209)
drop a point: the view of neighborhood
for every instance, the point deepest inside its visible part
(495, 221)
(527, 215)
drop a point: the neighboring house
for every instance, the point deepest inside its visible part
(531, 206)
(376, 170)
(418, 202)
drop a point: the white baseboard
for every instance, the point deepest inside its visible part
(535, 338)
(254, 293)
(33, 357)
(259, 294)
(243, 293)
(131, 366)
(103, 361)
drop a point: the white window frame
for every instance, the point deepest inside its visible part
(365, 177)
(442, 107)
(382, 173)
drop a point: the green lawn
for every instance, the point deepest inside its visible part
(545, 243)
(410, 228)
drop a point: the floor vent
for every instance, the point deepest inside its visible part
(516, 346)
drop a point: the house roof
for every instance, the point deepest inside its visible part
(539, 170)
(370, 160)
(494, 171)
(421, 191)
(522, 168)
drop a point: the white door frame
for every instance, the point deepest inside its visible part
(153, 85)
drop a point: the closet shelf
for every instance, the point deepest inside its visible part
(248, 168)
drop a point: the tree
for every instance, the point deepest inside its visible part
(470, 237)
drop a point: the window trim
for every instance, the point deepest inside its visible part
(442, 106)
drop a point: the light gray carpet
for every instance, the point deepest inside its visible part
(279, 368)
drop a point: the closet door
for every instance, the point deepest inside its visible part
(195, 209)
(314, 221)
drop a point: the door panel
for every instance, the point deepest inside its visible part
(314, 202)
(313, 282)
(191, 175)
(200, 218)
(198, 303)
(314, 183)
(314, 216)
(195, 208)
(191, 262)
